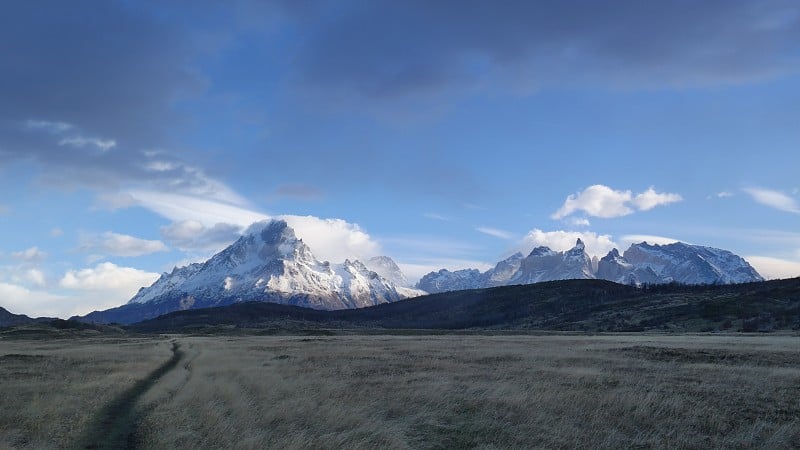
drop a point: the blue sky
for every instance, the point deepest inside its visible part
(136, 136)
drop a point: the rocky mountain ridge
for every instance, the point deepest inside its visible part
(641, 264)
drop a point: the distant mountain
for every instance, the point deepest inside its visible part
(576, 305)
(641, 264)
(7, 319)
(677, 262)
(268, 263)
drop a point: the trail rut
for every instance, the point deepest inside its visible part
(115, 425)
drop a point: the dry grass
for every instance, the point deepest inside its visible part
(481, 391)
(451, 391)
(50, 388)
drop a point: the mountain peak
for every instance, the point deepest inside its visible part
(271, 232)
(541, 251)
(579, 245)
(270, 263)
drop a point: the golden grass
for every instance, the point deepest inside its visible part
(450, 391)
(482, 391)
(50, 388)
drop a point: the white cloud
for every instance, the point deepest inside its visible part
(494, 232)
(107, 276)
(774, 199)
(629, 239)
(21, 300)
(596, 244)
(104, 286)
(724, 194)
(82, 141)
(35, 277)
(602, 201)
(333, 239)
(193, 235)
(30, 255)
(579, 221)
(772, 268)
(56, 232)
(115, 244)
(649, 199)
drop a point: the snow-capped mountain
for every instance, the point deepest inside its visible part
(678, 262)
(387, 268)
(542, 264)
(268, 263)
(641, 263)
(445, 280)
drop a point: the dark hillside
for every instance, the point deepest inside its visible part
(580, 305)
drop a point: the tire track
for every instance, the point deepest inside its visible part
(115, 425)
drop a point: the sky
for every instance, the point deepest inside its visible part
(136, 136)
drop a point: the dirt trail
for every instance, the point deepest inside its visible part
(114, 426)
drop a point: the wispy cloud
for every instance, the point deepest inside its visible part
(82, 141)
(435, 216)
(495, 232)
(47, 126)
(32, 254)
(604, 202)
(110, 243)
(774, 199)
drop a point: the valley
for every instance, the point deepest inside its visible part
(399, 391)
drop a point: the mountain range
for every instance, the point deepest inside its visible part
(269, 263)
(641, 264)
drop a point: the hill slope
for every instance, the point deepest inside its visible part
(8, 319)
(580, 305)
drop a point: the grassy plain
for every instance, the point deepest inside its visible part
(53, 384)
(391, 391)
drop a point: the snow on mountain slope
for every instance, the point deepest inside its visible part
(270, 262)
(445, 280)
(641, 263)
(387, 268)
(684, 263)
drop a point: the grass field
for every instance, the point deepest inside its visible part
(447, 391)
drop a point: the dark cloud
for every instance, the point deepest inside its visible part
(379, 49)
(87, 86)
(103, 71)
